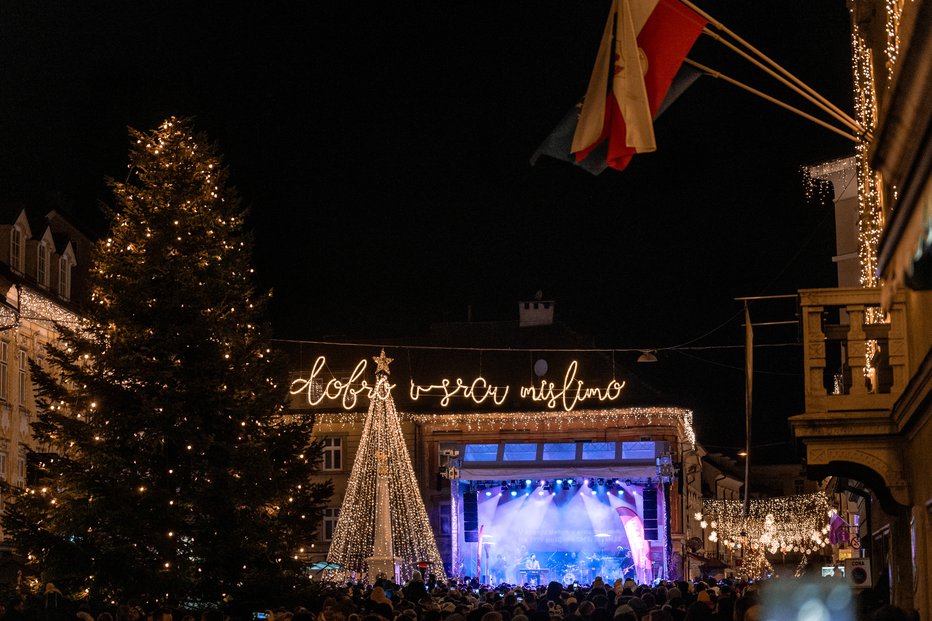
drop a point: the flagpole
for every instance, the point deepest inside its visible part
(843, 118)
(748, 385)
(850, 121)
(805, 115)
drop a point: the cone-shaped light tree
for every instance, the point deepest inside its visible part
(170, 466)
(383, 516)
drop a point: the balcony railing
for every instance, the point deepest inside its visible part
(840, 328)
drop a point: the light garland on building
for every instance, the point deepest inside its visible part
(894, 9)
(547, 420)
(354, 537)
(39, 308)
(870, 195)
(772, 525)
(679, 418)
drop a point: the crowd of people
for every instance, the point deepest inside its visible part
(464, 600)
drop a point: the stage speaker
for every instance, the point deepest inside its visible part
(471, 515)
(651, 531)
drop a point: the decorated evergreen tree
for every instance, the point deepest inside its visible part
(383, 520)
(171, 466)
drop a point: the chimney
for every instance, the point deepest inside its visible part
(539, 312)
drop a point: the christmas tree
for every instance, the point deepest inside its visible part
(382, 519)
(171, 468)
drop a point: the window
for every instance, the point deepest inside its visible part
(16, 249)
(330, 516)
(520, 452)
(480, 452)
(3, 466)
(23, 364)
(638, 450)
(21, 472)
(42, 269)
(559, 451)
(64, 278)
(333, 454)
(4, 370)
(599, 450)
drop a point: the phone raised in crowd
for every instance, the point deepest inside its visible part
(260, 616)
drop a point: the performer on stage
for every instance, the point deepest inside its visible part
(533, 576)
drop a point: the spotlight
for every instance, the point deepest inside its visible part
(527, 481)
(488, 493)
(617, 482)
(514, 492)
(594, 492)
(559, 481)
(571, 482)
(585, 482)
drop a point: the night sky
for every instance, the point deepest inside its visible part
(384, 153)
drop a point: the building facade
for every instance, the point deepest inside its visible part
(559, 453)
(868, 345)
(39, 277)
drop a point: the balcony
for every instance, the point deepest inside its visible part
(851, 396)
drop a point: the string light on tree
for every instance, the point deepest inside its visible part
(382, 448)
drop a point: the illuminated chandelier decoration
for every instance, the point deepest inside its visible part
(798, 524)
(372, 528)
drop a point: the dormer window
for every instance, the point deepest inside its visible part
(16, 249)
(42, 269)
(64, 278)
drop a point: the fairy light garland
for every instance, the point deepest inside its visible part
(772, 525)
(353, 540)
(894, 9)
(547, 420)
(870, 195)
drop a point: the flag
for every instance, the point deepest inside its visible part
(838, 530)
(558, 143)
(643, 45)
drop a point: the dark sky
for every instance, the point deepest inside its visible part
(383, 151)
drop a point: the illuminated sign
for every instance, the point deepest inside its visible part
(566, 395)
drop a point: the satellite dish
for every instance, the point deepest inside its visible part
(540, 368)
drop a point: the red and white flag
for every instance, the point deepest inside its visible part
(643, 45)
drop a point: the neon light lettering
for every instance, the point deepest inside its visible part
(479, 390)
(336, 389)
(573, 391)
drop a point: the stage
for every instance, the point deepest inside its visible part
(574, 529)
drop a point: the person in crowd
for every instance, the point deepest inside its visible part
(415, 589)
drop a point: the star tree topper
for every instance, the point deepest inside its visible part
(381, 363)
